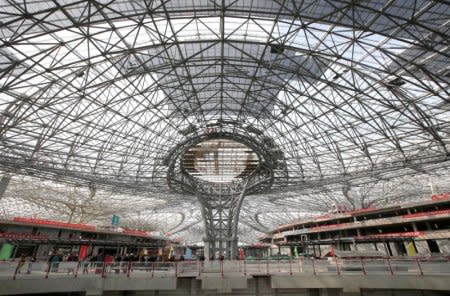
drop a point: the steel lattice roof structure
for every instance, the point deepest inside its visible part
(342, 102)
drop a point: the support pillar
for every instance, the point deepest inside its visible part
(221, 219)
(206, 249)
(355, 245)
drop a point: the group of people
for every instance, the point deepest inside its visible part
(53, 261)
(55, 258)
(118, 262)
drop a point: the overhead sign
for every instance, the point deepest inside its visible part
(15, 235)
(54, 223)
(135, 232)
(6, 251)
(392, 235)
(115, 220)
(424, 214)
(442, 196)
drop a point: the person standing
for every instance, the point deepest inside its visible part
(30, 263)
(85, 264)
(55, 262)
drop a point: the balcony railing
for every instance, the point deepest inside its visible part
(332, 266)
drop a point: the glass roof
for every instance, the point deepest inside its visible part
(97, 94)
(220, 161)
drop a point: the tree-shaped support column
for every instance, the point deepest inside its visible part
(221, 218)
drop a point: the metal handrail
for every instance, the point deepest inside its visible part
(351, 266)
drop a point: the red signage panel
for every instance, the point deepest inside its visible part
(54, 223)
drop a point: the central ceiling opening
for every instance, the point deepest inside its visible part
(220, 161)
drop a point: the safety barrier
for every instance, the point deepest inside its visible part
(331, 266)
